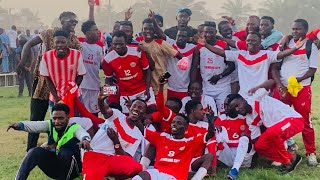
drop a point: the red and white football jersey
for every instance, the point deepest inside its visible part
(212, 64)
(314, 35)
(234, 126)
(297, 64)
(173, 156)
(129, 137)
(61, 70)
(252, 68)
(128, 70)
(180, 79)
(266, 111)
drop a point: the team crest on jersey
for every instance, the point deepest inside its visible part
(133, 64)
(119, 67)
(166, 147)
(210, 60)
(182, 148)
(242, 127)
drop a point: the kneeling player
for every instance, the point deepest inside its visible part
(237, 151)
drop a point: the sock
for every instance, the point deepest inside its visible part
(241, 152)
(145, 162)
(200, 174)
(137, 177)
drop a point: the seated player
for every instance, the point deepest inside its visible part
(174, 151)
(281, 121)
(195, 93)
(237, 151)
(61, 158)
(117, 140)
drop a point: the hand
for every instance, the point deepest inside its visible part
(282, 91)
(147, 95)
(300, 42)
(85, 144)
(141, 47)
(162, 80)
(128, 102)
(299, 79)
(151, 14)
(230, 20)
(253, 90)
(128, 14)
(209, 111)
(15, 126)
(91, 3)
(214, 79)
(201, 40)
(218, 128)
(113, 135)
(101, 96)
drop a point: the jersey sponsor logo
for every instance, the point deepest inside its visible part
(129, 77)
(133, 64)
(210, 60)
(242, 127)
(182, 148)
(212, 67)
(171, 160)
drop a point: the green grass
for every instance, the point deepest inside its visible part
(13, 143)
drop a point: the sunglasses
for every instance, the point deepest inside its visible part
(71, 21)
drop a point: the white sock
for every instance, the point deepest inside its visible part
(200, 174)
(137, 177)
(145, 162)
(241, 152)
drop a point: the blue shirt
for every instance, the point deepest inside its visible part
(4, 40)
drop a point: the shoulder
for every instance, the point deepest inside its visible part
(112, 55)
(221, 44)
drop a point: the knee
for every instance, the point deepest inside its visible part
(209, 157)
(244, 139)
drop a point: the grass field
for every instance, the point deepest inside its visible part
(13, 143)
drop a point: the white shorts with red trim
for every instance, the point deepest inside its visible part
(156, 175)
(151, 101)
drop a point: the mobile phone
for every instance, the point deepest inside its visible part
(109, 90)
(166, 76)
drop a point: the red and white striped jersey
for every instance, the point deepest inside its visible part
(61, 70)
(128, 70)
(252, 68)
(234, 126)
(129, 137)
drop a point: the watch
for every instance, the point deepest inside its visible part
(86, 138)
(117, 146)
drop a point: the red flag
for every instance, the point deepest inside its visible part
(97, 2)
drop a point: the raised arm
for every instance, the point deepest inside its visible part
(218, 51)
(195, 64)
(157, 29)
(91, 4)
(27, 49)
(288, 52)
(266, 85)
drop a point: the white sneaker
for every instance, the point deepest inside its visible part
(312, 159)
(276, 164)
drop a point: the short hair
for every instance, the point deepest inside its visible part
(303, 22)
(126, 23)
(268, 18)
(176, 100)
(61, 33)
(66, 14)
(61, 107)
(191, 83)
(200, 25)
(14, 27)
(138, 99)
(234, 96)
(86, 26)
(256, 33)
(255, 17)
(210, 24)
(191, 105)
(184, 117)
(221, 23)
(147, 20)
(120, 34)
(117, 22)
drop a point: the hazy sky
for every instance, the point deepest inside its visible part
(50, 9)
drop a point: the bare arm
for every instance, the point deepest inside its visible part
(308, 74)
(195, 65)
(27, 49)
(91, 10)
(147, 77)
(288, 52)
(105, 110)
(150, 60)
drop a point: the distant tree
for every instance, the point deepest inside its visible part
(237, 9)
(286, 11)
(26, 19)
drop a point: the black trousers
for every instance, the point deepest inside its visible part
(66, 165)
(38, 110)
